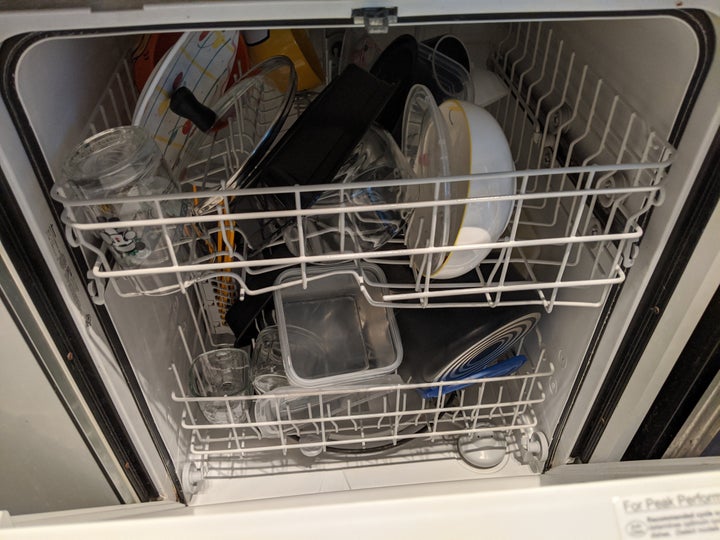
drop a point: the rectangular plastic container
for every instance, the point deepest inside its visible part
(330, 333)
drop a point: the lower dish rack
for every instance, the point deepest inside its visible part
(322, 426)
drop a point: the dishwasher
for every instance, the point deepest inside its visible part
(600, 266)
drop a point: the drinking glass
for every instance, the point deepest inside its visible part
(117, 164)
(267, 368)
(221, 373)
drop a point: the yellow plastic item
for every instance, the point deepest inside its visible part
(296, 45)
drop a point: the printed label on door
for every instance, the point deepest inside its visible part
(691, 514)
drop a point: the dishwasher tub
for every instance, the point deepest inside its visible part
(593, 145)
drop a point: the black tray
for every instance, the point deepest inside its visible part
(318, 143)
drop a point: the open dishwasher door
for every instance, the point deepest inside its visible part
(675, 505)
(613, 208)
(37, 475)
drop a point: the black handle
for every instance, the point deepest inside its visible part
(185, 104)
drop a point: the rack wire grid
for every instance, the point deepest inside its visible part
(589, 169)
(359, 418)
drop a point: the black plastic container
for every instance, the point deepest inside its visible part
(319, 142)
(404, 63)
(315, 147)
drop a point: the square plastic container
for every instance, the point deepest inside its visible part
(330, 333)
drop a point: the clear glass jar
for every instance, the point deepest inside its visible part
(126, 162)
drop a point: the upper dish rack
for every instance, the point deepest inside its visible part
(589, 170)
(568, 250)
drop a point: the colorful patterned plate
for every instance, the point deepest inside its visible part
(200, 61)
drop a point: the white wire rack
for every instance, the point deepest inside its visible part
(570, 258)
(217, 291)
(116, 104)
(560, 113)
(361, 420)
(589, 169)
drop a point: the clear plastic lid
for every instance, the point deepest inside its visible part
(425, 141)
(424, 134)
(248, 119)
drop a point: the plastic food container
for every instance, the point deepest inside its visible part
(330, 333)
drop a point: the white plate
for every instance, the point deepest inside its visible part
(477, 145)
(200, 61)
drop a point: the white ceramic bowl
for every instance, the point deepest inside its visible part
(477, 145)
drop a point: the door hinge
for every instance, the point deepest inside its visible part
(376, 20)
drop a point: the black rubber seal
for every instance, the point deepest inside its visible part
(700, 205)
(10, 304)
(696, 367)
(30, 263)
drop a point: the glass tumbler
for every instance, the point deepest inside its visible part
(221, 373)
(267, 368)
(116, 164)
